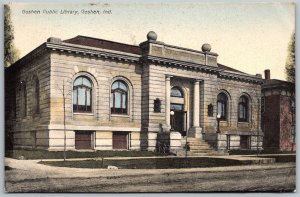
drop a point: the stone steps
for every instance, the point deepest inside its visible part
(205, 154)
(198, 147)
(202, 151)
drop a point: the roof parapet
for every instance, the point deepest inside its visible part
(156, 48)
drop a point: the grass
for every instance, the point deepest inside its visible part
(163, 162)
(149, 163)
(44, 154)
(254, 152)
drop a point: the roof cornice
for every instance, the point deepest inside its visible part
(203, 68)
(40, 50)
(240, 77)
(92, 52)
(75, 49)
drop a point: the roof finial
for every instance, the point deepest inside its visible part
(206, 48)
(151, 36)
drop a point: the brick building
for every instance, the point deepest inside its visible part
(278, 114)
(120, 96)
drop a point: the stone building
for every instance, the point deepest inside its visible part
(278, 114)
(88, 93)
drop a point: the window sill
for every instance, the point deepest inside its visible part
(119, 115)
(86, 114)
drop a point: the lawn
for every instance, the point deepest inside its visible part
(254, 152)
(148, 163)
(44, 154)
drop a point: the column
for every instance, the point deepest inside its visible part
(196, 104)
(168, 98)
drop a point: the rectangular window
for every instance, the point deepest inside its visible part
(245, 142)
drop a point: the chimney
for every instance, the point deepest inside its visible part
(267, 74)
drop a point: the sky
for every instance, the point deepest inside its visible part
(250, 37)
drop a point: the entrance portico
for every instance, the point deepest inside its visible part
(178, 104)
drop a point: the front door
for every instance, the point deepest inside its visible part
(178, 118)
(83, 140)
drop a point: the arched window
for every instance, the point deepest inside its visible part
(82, 95)
(222, 105)
(176, 92)
(119, 97)
(36, 95)
(243, 109)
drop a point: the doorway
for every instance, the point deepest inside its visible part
(178, 118)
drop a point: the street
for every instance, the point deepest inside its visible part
(270, 177)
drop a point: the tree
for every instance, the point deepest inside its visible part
(11, 54)
(290, 61)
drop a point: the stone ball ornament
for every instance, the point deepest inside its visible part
(151, 35)
(206, 47)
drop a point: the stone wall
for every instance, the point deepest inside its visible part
(233, 90)
(102, 74)
(28, 129)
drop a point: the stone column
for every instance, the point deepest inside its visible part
(195, 131)
(196, 104)
(168, 99)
